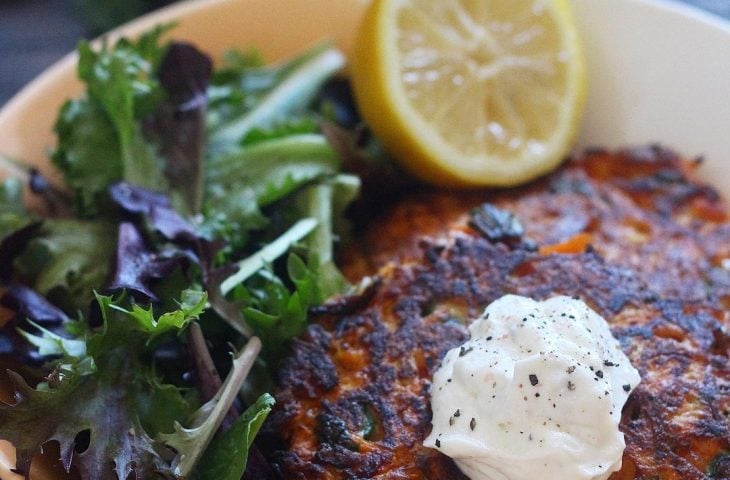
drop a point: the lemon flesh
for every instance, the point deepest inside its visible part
(471, 92)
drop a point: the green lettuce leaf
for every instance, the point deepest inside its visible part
(99, 135)
(326, 202)
(274, 311)
(191, 442)
(69, 404)
(100, 385)
(105, 389)
(13, 215)
(227, 455)
(249, 266)
(273, 169)
(291, 126)
(239, 185)
(50, 343)
(272, 190)
(88, 153)
(67, 260)
(161, 405)
(269, 95)
(193, 303)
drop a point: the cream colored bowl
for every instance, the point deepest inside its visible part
(658, 72)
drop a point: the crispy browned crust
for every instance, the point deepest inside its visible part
(353, 399)
(642, 209)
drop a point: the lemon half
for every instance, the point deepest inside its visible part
(471, 92)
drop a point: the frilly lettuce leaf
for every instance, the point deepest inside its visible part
(88, 153)
(192, 304)
(101, 385)
(275, 312)
(99, 135)
(68, 405)
(271, 190)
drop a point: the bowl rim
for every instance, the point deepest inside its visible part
(170, 12)
(57, 69)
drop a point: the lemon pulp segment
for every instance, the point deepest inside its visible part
(471, 92)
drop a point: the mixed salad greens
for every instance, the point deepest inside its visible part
(144, 312)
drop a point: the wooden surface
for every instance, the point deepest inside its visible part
(35, 33)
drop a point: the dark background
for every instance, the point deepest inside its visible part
(35, 33)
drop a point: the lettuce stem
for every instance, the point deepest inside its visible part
(250, 265)
(295, 92)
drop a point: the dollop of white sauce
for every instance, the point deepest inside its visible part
(536, 392)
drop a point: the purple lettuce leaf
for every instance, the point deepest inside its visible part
(25, 304)
(158, 210)
(179, 123)
(137, 265)
(31, 305)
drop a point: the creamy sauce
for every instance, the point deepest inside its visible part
(535, 393)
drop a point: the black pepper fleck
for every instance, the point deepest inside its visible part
(533, 379)
(627, 387)
(571, 385)
(473, 424)
(599, 373)
(438, 443)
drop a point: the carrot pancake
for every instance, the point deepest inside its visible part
(640, 208)
(630, 233)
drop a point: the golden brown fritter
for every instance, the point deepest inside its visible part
(353, 398)
(640, 208)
